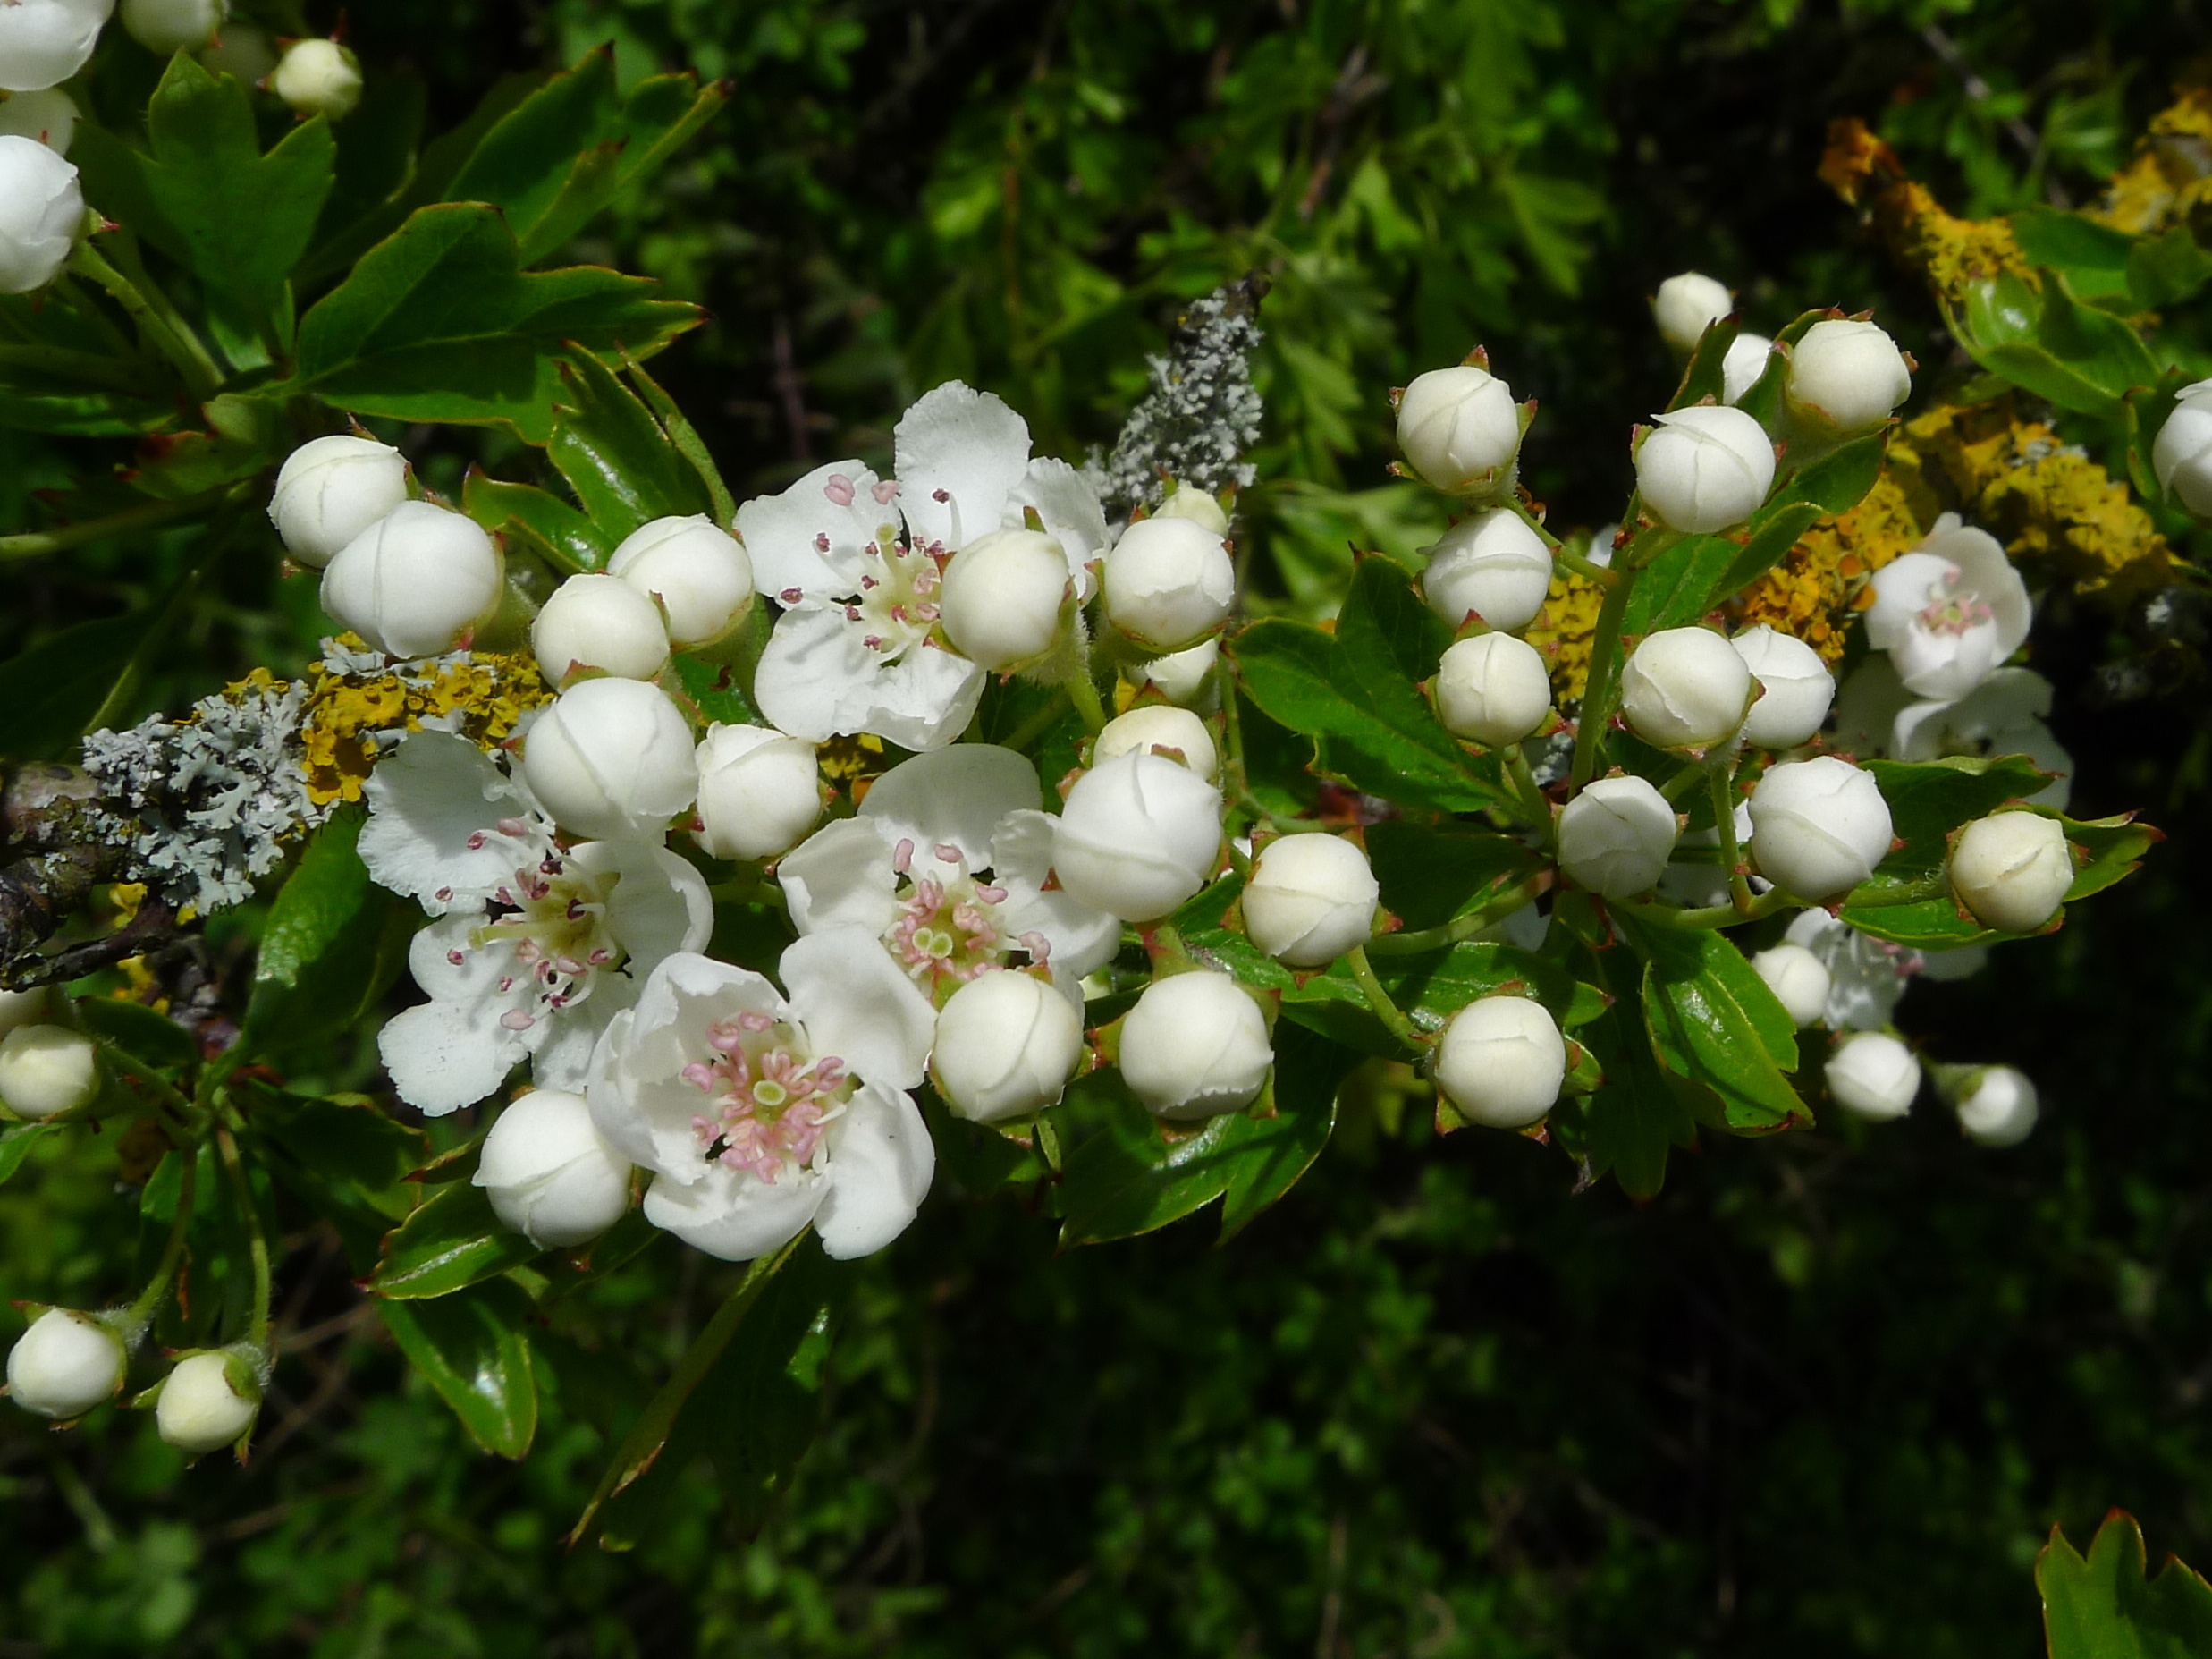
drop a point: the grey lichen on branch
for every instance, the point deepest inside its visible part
(1202, 417)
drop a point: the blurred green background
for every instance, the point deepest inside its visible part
(1825, 1396)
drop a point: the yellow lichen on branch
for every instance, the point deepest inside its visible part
(483, 695)
(2171, 171)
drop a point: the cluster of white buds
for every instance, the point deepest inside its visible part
(330, 490)
(1195, 1046)
(1492, 568)
(1492, 690)
(1502, 1062)
(673, 582)
(415, 582)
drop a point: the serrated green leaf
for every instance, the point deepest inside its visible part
(2103, 1606)
(334, 943)
(1712, 1021)
(448, 1242)
(621, 465)
(470, 1347)
(550, 527)
(1429, 875)
(1701, 376)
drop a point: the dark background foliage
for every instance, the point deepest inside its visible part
(1825, 1396)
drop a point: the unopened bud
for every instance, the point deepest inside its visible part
(1744, 366)
(1154, 728)
(414, 582)
(1007, 1044)
(1998, 1107)
(1199, 506)
(44, 42)
(759, 792)
(1459, 427)
(1311, 898)
(1492, 690)
(1502, 1062)
(1795, 688)
(1704, 468)
(64, 1365)
(1615, 836)
(548, 1173)
(1183, 677)
(48, 1069)
(2182, 455)
(1685, 687)
(318, 78)
(166, 26)
(1799, 980)
(598, 623)
(1490, 565)
(1004, 594)
(1874, 1075)
(1846, 376)
(207, 1402)
(1170, 581)
(1195, 1046)
(49, 117)
(612, 758)
(41, 212)
(1137, 836)
(21, 1008)
(1818, 827)
(701, 577)
(331, 489)
(2013, 869)
(1686, 307)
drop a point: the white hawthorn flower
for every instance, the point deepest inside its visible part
(549, 1174)
(699, 575)
(598, 623)
(163, 26)
(759, 792)
(1818, 827)
(1846, 376)
(760, 1114)
(612, 758)
(1007, 1044)
(67, 1363)
(48, 1069)
(1616, 837)
(44, 42)
(2002, 716)
(2012, 870)
(1874, 1075)
(1004, 597)
(1492, 690)
(1950, 612)
(1137, 836)
(1490, 565)
(534, 948)
(1169, 582)
(1795, 688)
(318, 78)
(1798, 978)
(859, 562)
(41, 212)
(1459, 427)
(1195, 1046)
(331, 490)
(206, 1402)
(1998, 1107)
(50, 116)
(947, 864)
(414, 580)
(1685, 687)
(1866, 975)
(1687, 305)
(1740, 370)
(1705, 468)
(1311, 898)
(1159, 728)
(1502, 1062)
(1182, 677)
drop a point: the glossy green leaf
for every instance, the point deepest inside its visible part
(542, 522)
(2075, 356)
(470, 1347)
(18, 1141)
(1702, 380)
(1928, 800)
(440, 323)
(1430, 874)
(2167, 269)
(139, 1031)
(85, 677)
(2103, 1606)
(2093, 258)
(1629, 1127)
(334, 943)
(449, 1242)
(1713, 1021)
(2112, 848)
(621, 465)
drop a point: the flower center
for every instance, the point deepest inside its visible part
(1955, 608)
(769, 1099)
(554, 919)
(948, 930)
(897, 604)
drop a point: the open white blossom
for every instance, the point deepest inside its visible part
(534, 948)
(858, 563)
(1949, 612)
(761, 1114)
(947, 864)
(1866, 975)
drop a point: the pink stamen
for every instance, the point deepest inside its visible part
(839, 488)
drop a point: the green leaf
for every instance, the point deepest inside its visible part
(1714, 1022)
(343, 1139)
(375, 158)
(621, 465)
(1431, 874)
(86, 676)
(1628, 1128)
(1928, 800)
(2167, 269)
(471, 1348)
(2093, 258)
(2075, 356)
(207, 197)
(139, 1031)
(2103, 1606)
(450, 1241)
(2114, 848)
(18, 1141)
(333, 945)
(1355, 693)
(440, 323)
(1701, 377)
(542, 522)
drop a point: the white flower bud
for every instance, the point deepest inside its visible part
(1502, 1062)
(1003, 596)
(1458, 426)
(612, 758)
(2182, 455)
(318, 78)
(1615, 836)
(549, 1174)
(1184, 676)
(1198, 505)
(1168, 582)
(48, 1069)
(1704, 470)
(1847, 376)
(1818, 827)
(1795, 688)
(331, 489)
(1686, 307)
(702, 577)
(207, 1403)
(598, 622)
(21, 1008)
(1195, 1046)
(1311, 898)
(1491, 564)
(49, 117)
(1874, 1075)
(244, 51)
(1137, 836)
(166, 26)
(1007, 1044)
(1156, 726)
(1998, 1107)
(41, 212)
(1685, 687)
(2011, 869)
(1799, 980)
(413, 582)
(759, 792)
(44, 42)
(1742, 368)
(64, 1365)
(1492, 690)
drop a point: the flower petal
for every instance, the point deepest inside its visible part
(1081, 938)
(959, 454)
(659, 906)
(572, 1034)
(841, 877)
(922, 701)
(454, 1050)
(1070, 512)
(638, 1096)
(427, 800)
(781, 532)
(956, 797)
(814, 662)
(734, 1214)
(856, 1005)
(880, 1162)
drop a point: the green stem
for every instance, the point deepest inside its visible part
(256, 1242)
(1723, 783)
(173, 1251)
(1703, 920)
(65, 364)
(1519, 509)
(183, 350)
(1935, 886)
(1084, 694)
(1038, 723)
(1464, 927)
(175, 1111)
(1379, 999)
(1524, 785)
(36, 544)
(1604, 575)
(1598, 691)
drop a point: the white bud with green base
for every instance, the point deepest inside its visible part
(207, 1401)
(2012, 870)
(1873, 1075)
(1195, 1046)
(1006, 1043)
(67, 1363)
(1502, 1062)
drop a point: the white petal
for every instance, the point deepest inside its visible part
(659, 906)
(880, 1162)
(735, 1215)
(1081, 938)
(856, 1005)
(572, 1034)
(956, 797)
(814, 662)
(1902, 590)
(454, 1050)
(780, 531)
(966, 446)
(922, 701)
(841, 877)
(425, 801)
(1070, 512)
(637, 1093)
